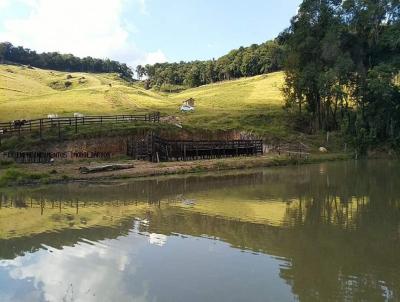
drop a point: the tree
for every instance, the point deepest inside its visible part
(340, 54)
(140, 71)
(62, 62)
(244, 61)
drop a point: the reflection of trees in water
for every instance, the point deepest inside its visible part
(329, 210)
(341, 231)
(342, 180)
(43, 204)
(341, 236)
(352, 259)
(148, 190)
(325, 260)
(344, 239)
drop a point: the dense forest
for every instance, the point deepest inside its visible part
(342, 63)
(245, 61)
(61, 62)
(242, 62)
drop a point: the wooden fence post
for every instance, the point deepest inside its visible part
(40, 128)
(59, 130)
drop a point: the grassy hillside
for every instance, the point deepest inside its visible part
(253, 104)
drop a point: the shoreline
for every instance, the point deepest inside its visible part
(22, 175)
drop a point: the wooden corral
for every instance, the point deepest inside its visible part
(157, 149)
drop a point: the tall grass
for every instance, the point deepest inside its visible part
(13, 176)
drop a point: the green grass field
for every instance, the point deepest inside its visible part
(251, 104)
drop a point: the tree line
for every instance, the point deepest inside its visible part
(245, 61)
(342, 61)
(61, 62)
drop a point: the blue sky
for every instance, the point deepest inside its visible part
(143, 31)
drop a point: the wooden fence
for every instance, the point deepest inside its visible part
(158, 149)
(19, 127)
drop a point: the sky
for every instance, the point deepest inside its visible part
(143, 31)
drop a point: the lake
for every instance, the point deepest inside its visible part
(324, 232)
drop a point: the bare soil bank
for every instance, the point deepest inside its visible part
(69, 170)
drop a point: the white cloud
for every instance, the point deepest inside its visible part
(84, 28)
(154, 57)
(158, 239)
(143, 7)
(102, 269)
(90, 27)
(4, 3)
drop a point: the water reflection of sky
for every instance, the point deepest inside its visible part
(143, 267)
(333, 230)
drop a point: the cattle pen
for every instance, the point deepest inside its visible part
(158, 149)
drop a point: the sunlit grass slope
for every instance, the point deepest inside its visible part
(246, 104)
(250, 104)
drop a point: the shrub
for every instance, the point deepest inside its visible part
(68, 84)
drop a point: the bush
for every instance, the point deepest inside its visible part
(68, 84)
(69, 76)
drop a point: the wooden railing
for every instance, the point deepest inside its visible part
(19, 127)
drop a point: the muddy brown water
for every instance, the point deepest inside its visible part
(325, 232)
